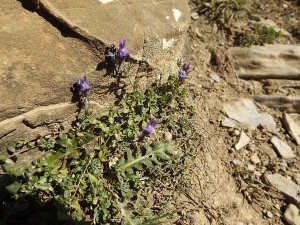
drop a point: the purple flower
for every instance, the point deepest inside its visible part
(149, 128)
(84, 87)
(182, 73)
(123, 53)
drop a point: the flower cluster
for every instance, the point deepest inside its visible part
(182, 73)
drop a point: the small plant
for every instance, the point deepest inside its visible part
(261, 35)
(105, 169)
(224, 11)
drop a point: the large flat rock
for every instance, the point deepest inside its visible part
(155, 30)
(269, 61)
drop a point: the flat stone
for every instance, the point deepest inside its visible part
(155, 30)
(215, 77)
(254, 159)
(251, 167)
(291, 215)
(236, 162)
(269, 214)
(244, 111)
(292, 127)
(49, 114)
(271, 128)
(283, 149)
(244, 140)
(286, 186)
(195, 15)
(270, 61)
(296, 178)
(227, 123)
(9, 125)
(268, 150)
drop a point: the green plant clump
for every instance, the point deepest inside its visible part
(261, 35)
(224, 11)
(106, 169)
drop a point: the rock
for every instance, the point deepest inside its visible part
(244, 111)
(296, 178)
(271, 128)
(291, 215)
(49, 114)
(284, 164)
(236, 162)
(9, 125)
(239, 223)
(154, 31)
(269, 214)
(251, 147)
(227, 123)
(195, 15)
(254, 159)
(285, 6)
(268, 150)
(269, 61)
(244, 140)
(286, 186)
(167, 136)
(282, 148)
(215, 77)
(292, 127)
(236, 132)
(251, 167)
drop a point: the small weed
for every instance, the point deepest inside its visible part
(260, 35)
(106, 169)
(224, 11)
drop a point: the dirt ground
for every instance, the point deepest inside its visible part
(215, 196)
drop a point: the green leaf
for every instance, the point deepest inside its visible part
(111, 120)
(75, 205)
(153, 154)
(2, 157)
(44, 187)
(8, 168)
(11, 149)
(93, 120)
(68, 143)
(92, 178)
(62, 216)
(9, 161)
(22, 207)
(105, 112)
(52, 157)
(13, 188)
(63, 136)
(103, 127)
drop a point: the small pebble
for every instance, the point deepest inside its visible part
(251, 167)
(269, 214)
(236, 132)
(215, 77)
(195, 15)
(285, 6)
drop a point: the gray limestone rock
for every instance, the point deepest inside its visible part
(283, 149)
(292, 127)
(284, 185)
(244, 111)
(243, 141)
(269, 61)
(291, 215)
